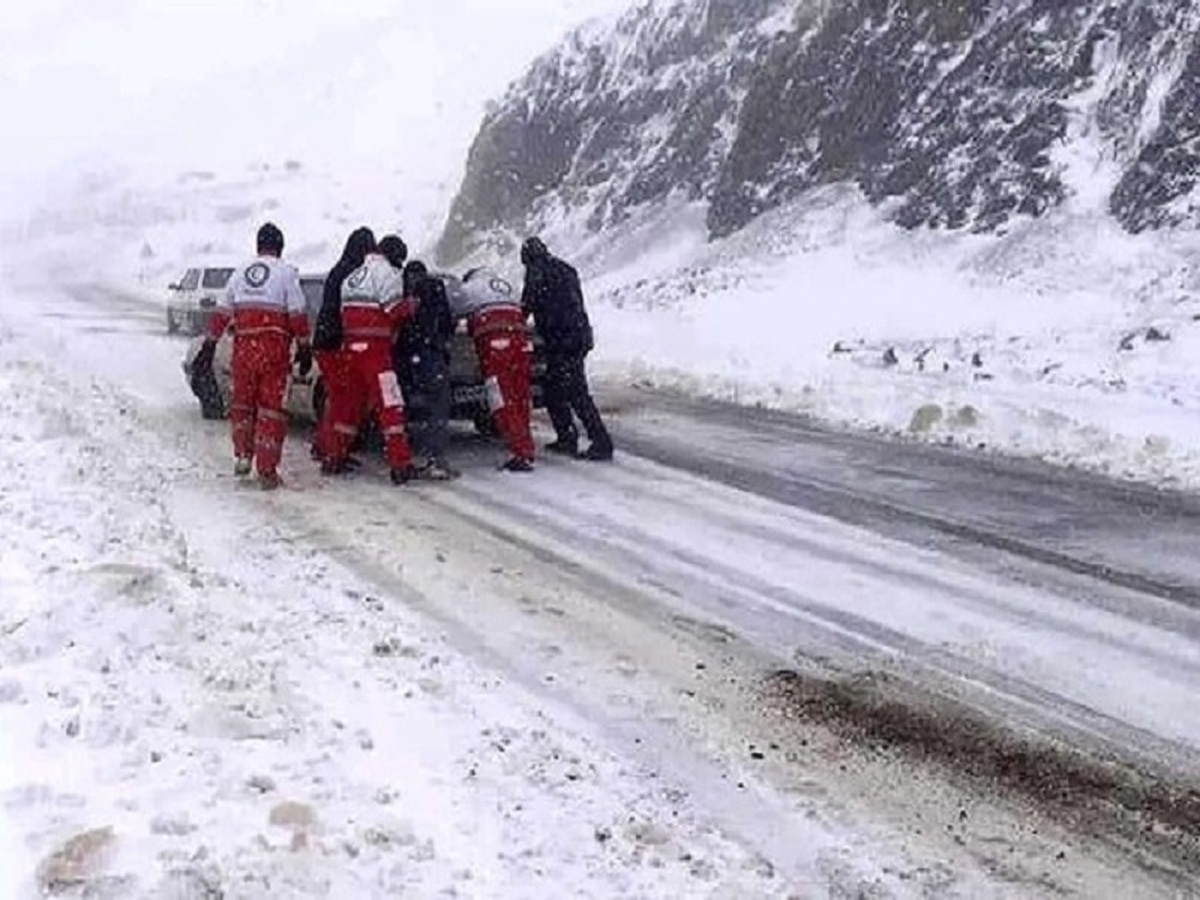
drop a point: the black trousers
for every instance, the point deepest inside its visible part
(567, 393)
(426, 385)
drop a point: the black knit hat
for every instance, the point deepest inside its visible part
(394, 250)
(270, 239)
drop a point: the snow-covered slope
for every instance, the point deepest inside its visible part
(127, 225)
(963, 115)
(965, 222)
(1067, 339)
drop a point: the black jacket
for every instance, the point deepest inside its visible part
(327, 333)
(554, 297)
(429, 330)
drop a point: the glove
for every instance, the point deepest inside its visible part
(304, 359)
(203, 363)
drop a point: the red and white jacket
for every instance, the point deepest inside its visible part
(373, 302)
(488, 304)
(263, 297)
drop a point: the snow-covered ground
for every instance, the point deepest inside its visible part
(194, 702)
(207, 691)
(342, 690)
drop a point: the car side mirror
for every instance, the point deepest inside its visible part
(173, 286)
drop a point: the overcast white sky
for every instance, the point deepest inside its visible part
(167, 84)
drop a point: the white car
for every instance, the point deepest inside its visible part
(306, 393)
(193, 297)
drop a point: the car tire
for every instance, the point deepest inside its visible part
(485, 425)
(213, 403)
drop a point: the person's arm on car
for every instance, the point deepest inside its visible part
(297, 309)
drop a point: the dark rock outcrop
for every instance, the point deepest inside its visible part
(962, 113)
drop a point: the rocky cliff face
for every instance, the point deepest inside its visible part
(957, 113)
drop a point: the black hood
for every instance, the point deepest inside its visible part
(327, 335)
(358, 245)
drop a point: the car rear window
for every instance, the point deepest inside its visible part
(216, 278)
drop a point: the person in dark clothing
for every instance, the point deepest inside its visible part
(423, 366)
(554, 297)
(394, 250)
(327, 341)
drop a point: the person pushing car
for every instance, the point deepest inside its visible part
(554, 297)
(264, 304)
(423, 364)
(497, 325)
(373, 309)
(331, 355)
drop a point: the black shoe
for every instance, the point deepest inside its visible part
(352, 462)
(270, 481)
(564, 448)
(518, 464)
(437, 470)
(334, 467)
(597, 453)
(404, 474)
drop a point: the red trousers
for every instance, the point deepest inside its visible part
(261, 364)
(341, 401)
(372, 387)
(505, 358)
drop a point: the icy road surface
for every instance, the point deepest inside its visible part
(751, 658)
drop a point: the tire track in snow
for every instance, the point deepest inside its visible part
(840, 499)
(701, 588)
(711, 588)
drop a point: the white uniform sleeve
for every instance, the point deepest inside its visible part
(390, 290)
(296, 304)
(229, 296)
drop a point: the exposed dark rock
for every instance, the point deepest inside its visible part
(964, 113)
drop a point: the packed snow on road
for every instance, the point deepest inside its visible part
(890, 589)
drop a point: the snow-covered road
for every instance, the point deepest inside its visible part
(674, 676)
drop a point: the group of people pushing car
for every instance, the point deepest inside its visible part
(381, 340)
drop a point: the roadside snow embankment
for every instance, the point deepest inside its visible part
(1065, 339)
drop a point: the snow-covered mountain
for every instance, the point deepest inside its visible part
(958, 115)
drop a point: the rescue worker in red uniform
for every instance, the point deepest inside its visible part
(266, 307)
(373, 309)
(327, 347)
(497, 324)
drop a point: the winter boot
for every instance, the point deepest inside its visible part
(437, 470)
(269, 481)
(598, 453)
(518, 464)
(335, 467)
(404, 474)
(242, 466)
(563, 447)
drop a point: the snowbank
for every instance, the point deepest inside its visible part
(1065, 339)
